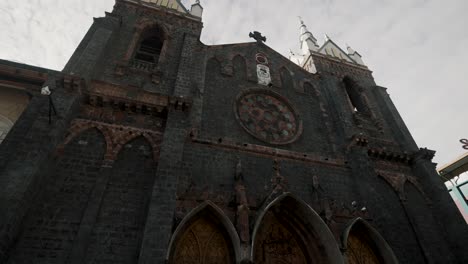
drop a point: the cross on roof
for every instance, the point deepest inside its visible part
(257, 36)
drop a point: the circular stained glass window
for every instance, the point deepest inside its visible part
(268, 117)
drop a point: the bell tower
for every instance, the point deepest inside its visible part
(140, 44)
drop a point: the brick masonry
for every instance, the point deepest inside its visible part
(122, 170)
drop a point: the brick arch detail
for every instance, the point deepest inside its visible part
(398, 180)
(115, 136)
(78, 128)
(127, 136)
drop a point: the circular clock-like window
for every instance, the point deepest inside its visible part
(268, 117)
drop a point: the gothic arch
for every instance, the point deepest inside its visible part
(207, 216)
(414, 182)
(287, 80)
(306, 238)
(124, 139)
(360, 236)
(144, 29)
(213, 64)
(355, 95)
(240, 66)
(308, 88)
(80, 128)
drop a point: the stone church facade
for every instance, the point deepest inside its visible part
(155, 148)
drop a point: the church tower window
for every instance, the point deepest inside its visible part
(149, 50)
(352, 90)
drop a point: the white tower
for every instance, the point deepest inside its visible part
(197, 9)
(355, 55)
(308, 41)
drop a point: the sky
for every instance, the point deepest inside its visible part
(416, 48)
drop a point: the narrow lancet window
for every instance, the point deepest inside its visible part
(357, 102)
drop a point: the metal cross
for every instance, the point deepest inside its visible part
(465, 143)
(257, 36)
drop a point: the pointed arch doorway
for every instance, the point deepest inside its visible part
(205, 236)
(288, 231)
(364, 245)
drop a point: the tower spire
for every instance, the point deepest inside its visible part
(308, 41)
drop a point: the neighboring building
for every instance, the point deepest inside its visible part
(454, 174)
(155, 148)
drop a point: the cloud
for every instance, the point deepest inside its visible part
(416, 48)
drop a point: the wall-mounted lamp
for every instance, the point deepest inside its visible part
(47, 92)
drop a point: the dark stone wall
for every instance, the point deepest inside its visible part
(52, 224)
(25, 156)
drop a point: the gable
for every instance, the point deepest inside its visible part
(331, 49)
(171, 4)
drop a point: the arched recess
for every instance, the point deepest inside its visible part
(149, 46)
(213, 66)
(124, 206)
(77, 129)
(356, 99)
(240, 68)
(363, 244)
(287, 81)
(205, 236)
(290, 231)
(310, 89)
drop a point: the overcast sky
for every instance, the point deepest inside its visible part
(418, 49)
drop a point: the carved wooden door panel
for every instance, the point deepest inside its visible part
(203, 243)
(275, 244)
(360, 251)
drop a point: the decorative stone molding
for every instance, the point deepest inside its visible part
(398, 180)
(102, 93)
(271, 152)
(115, 136)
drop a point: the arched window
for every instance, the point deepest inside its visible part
(149, 49)
(287, 81)
(354, 96)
